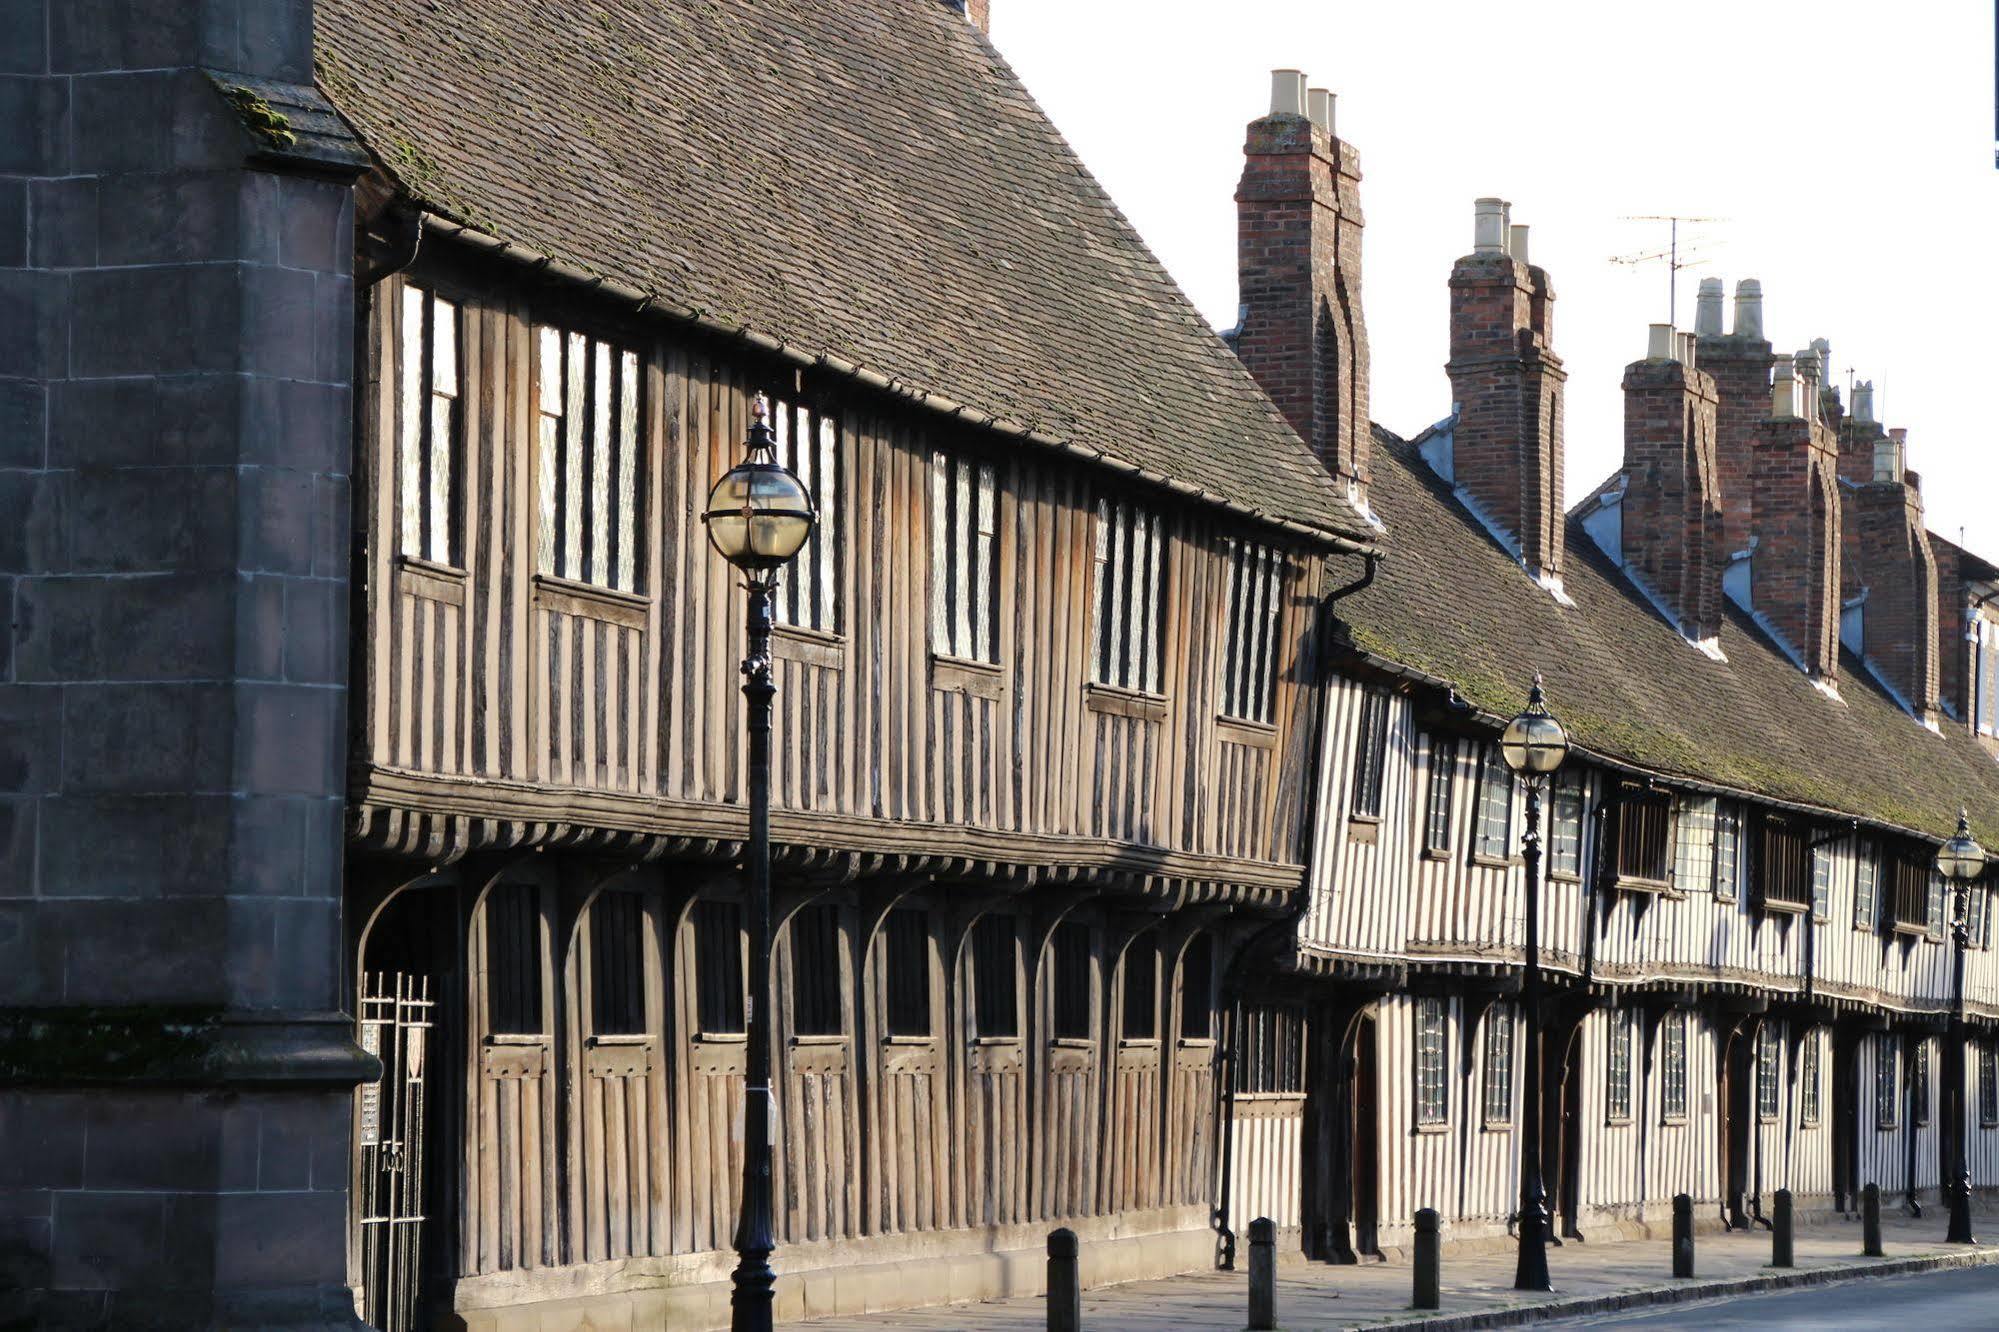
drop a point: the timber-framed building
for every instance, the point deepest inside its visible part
(1143, 861)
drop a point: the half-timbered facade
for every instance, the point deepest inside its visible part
(1046, 701)
(1748, 942)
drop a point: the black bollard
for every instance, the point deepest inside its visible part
(1065, 1286)
(1683, 1235)
(1429, 1262)
(1870, 1221)
(1780, 1232)
(1262, 1274)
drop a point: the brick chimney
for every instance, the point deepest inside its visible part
(978, 11)
(1671, 515)
(1506, 382)
(1794, 580)
(1891, 570)
(1739, 363)
(1298, 262)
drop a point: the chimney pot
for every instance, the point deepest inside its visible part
(1488, 226)
(1321, 103)
(1516, 241)
(1707, 308)
(1749, 309)
(1287, 92)
(1863, 401)
(1689, 344)
(1783, 387)
(1659, 345)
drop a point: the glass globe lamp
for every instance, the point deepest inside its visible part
(759, 515)
(1534, 743)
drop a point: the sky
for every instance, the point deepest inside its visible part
(1847, 149)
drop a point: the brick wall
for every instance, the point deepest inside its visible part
(1303, 335)
(1672, 519)
(175, 367)
(1507, 384)
(1891, 549)
(1795, 580)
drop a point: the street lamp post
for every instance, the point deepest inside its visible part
(1533, 746)
(1960, 860)
(758, 517)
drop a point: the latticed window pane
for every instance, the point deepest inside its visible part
(1141, 990)
(1673, 1066)
(964, 528)
(1271, 1051)
(808, 442)
(1499, 1064)
(1249, 643)
(588, 470)
(1866, 887)
(1432, 1084)
(995, 1002)
(1727, 850)
(1919, 1079)
(1437, 819)
(1769, 1071)
(1565, 825)
(1887, 1089)
(1988, 1086)
(1617, 1088)
(1783, 869)
(1128, 609)
(1495, 806)
(1643, 818)
(1936, 916)
(1370, 753)
(1808, 1078)
(428, 444)
(815, 972)
(1693, 846)
(1821, 882)
(1073, 953)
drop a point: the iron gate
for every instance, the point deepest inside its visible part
(395, 1014)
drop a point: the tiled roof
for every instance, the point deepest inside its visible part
(865, 180)
(1448, 602)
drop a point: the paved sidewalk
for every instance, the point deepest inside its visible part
(1590, 1278)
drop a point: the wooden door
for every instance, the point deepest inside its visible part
(1562, 1132)
(1364, 1205)
(1737, 1122)
(995, 1159)
(619, 1175)
(1068, 1006)
(710, 952)
(1846, 1123)
(512, 1202)
(818, 1127)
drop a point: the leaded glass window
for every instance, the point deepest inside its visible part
(1673, 1065)
(1432, 1071)
(1499, 1064)
(1693, 845)
(1565, 825)
(1495, 807)
(1769, 1072)
(1437, 819)
(1617, 1088)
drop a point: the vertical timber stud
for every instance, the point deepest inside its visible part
(176, 689)
(1262, 1274)
(1870, 1221)
(1781, 1233)
(1065, 1286)
(1683, 1235)
(1429, 1276)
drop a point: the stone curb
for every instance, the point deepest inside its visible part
(1691, 1291)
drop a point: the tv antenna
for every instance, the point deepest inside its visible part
(1675, 261)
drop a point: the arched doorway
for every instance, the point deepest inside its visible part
(1364, 1087)
(402, 976)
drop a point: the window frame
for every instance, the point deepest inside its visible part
(816, 933)
(1251, 627)
(1919, 1083)
(1496, 1090)
(1197, 989)
(1644, 845)
(608, 526)
(1810, 1089)
(1988, 1085)
(714, 997)
(1782, 875)
(1728, 843)
(1619, 1066)
(1130, 553)
(1673, 1035)
(1431, 1085)
(964, 558)
(810, 441)
(1494, 779)
(909, 1011)
(1370, 751)
(1072, 949)
(422, 505)
(1696, 839)
(1568, 784)
(1139, 971)
(995, 956)
(1867, 872)
(1887, 1082)
(618, 918)
(1440, 787)
(1769, 1073)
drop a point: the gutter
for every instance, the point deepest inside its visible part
(642, 303)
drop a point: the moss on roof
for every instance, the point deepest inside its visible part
(1449, 602)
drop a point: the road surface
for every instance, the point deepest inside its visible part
(1960, 1300)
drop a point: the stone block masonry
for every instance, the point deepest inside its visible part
(175, 388)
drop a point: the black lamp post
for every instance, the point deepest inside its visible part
(1533, 746)
(758, 517)
(1960, 860)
